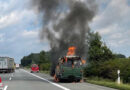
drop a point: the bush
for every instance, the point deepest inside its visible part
(45, 66)
(109, 69)
(98, 51)
(91, 70)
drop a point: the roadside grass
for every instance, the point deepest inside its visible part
(107, 83)
(45, 72)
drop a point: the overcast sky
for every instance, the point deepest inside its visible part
(20, 25)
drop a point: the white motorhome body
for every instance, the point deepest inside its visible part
(6, 64)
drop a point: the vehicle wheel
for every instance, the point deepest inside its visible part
(56, 79)
(31, 71)
(37, 71)
(78, 80)
(81, 80)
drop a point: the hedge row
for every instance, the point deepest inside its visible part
(108, 69)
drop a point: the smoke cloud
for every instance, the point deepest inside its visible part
(65, 24)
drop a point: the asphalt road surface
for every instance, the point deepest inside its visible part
(24, 80)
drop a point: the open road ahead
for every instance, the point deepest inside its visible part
(24, 80)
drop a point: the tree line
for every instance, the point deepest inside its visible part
(42, 59)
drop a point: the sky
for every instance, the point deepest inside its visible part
(20, 25)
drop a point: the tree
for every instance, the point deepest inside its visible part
(26, 61)
(120, 56)
(42, 59)
(103, 63)
(98, 51)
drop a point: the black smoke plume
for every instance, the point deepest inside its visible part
(66, 23)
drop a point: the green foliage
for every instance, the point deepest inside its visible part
(42, 59)
(120, 56)
(108, 69)
(45, 66)
(98, 51)
(30, 59)
(103, 63)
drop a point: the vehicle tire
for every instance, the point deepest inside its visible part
(56, 79)
(78, 80)
(81, 80)
(31, 71)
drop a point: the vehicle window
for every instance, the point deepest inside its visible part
(68, 63)
(34, 65)
(77, 63)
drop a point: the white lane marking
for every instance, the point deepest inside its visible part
(6, 87)
(64, 88)
(10, 78)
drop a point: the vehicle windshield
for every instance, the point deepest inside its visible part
(68, 63)
(76, 63)
(34, 65)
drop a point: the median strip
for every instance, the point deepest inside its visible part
(55, 84)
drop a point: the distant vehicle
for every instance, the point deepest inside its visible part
(70, 68)
(34, 68)
(6, 64)
(17, 66)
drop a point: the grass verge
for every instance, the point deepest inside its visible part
(46, 72)
(108, 83)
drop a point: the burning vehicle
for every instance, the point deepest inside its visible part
(69, 67)
(66, 24)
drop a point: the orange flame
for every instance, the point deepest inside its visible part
(71, 50)
(83, 61)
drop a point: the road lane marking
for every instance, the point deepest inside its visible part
(6, 87)
(10, 78)
(55, 84)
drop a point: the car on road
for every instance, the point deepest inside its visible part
(34, 68)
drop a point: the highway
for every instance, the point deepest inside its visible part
(24, 80)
